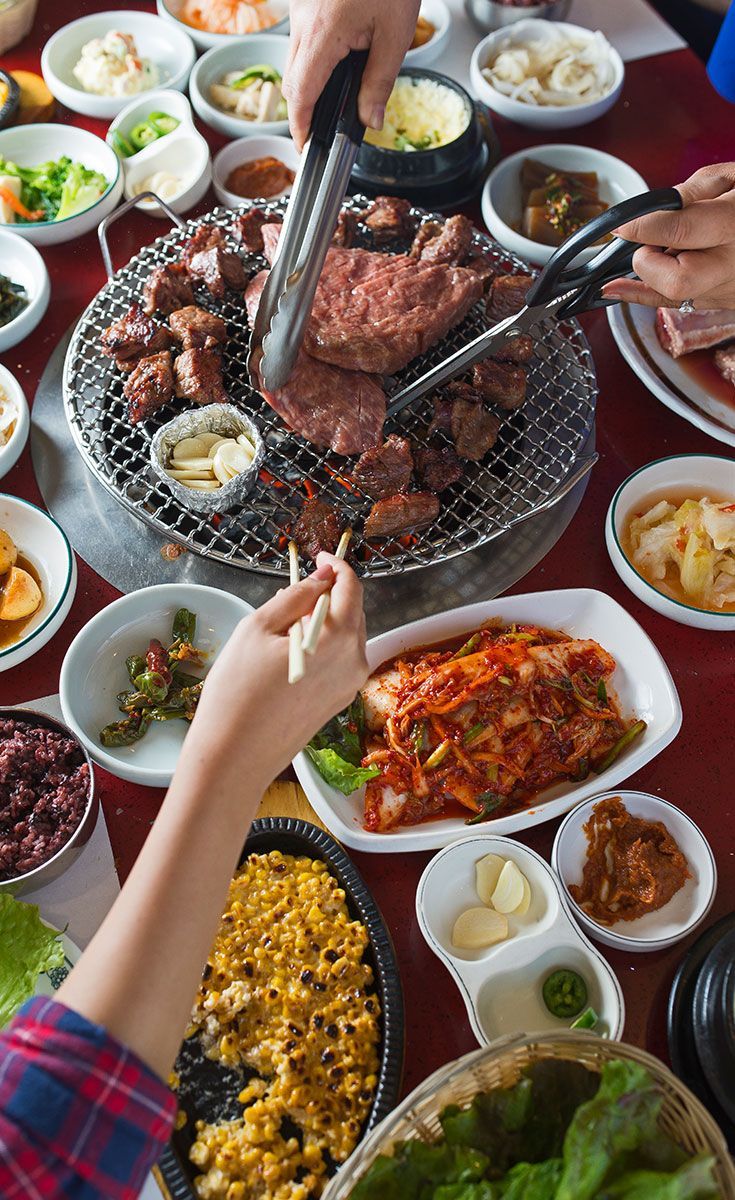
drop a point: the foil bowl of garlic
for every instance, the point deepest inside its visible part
(208, 458)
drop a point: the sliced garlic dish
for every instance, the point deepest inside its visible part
(487, 873)
(208, 461)
(525, 903)
(508, 892)
(477, 928)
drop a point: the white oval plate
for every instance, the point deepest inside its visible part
(633, 327)
(43, 542)
(501, 985)
(685, 910)
(642, 683)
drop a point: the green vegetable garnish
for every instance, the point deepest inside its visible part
(184, 626)
(489, 801)
(629, 736)
(473, 732)
(437, 756)
(152, 685)
(336, 750)
(57, 189)
(121, 145)
(468, 647)
(587, 1020)
(259, 71)
(163, 123)
(27, 948)
(565, 993)
(142, 134)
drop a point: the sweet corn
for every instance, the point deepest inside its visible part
(289, 996)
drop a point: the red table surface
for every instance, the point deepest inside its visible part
(668, 122)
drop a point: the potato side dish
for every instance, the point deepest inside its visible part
(286, 993)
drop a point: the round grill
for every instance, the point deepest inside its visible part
(534, 452)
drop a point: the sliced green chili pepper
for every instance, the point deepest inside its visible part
(135, 665)
(629, 736)
(141, 135)
(468, 646)
(162, 123)
(437, 756)
(124, 733)
(489, 801)
(121, 145)
(587, 1020)
(184, 626)
(564, 993)
(153, 685)
(260, 71)
(473, 732)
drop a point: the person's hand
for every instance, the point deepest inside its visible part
(689, 254)
(250, 720)
(323, 32)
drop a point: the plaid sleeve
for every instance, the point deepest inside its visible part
(81, 1117)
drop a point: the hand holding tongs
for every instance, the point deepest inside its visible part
(560, 291)
(308, 226)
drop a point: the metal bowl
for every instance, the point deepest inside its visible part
(70, 851)
(488, 15)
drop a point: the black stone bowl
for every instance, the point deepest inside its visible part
(442, 177)
(10, 107)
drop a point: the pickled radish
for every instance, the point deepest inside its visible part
(487, 873)
(477, 928)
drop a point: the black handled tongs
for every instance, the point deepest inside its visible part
(308, 226)
(560, 291)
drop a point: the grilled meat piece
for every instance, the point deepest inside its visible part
(725, 362)
(437, 468)
(218, 270)
(166, 289)
(401, 514)
(132, 337)
(483, 267)
(197, 329)
(376, 312)
(474, 429)
(424, 234)
(317, 528)
(442, 414)
(149, 386)
(680, 333)
(516, 350)
(501, 383)
(205, 238)
(452, 245)
(198, 376)
(385, 469)
(324, 404)
(507, 296)
(344, 234)
(246, 229)
(389, 218)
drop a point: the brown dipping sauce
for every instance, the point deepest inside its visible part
(12, 631)
(260, 179)
(633, 866)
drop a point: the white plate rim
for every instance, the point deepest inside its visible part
(67, 584)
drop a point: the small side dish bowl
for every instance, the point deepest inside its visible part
(183, 148)
(21, 263)
(704, 475)
(501, 196)
(537, 116)
(204, 40)
(437, 12)
(225, 420)
(244, 150)
(44, 544)
(29, 145)
(234, 55)
(171, 49)
(435, 178)
(93, 671)
(488, 15)
(686, 909)
(12, 396)
(62, 859)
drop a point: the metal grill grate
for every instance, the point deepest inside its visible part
(534, 452)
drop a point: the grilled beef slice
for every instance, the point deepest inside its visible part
(401, 514)
(316, 528)
(474, 429)
(198, 375)
(389, 218)
(385, 469)
(196, 329)
(166, 289)
(507, 296)
(680, 333)
(131, 337)
(247, 229)
(437, 468)
(452, 244)
(149, 386)
(501, 383)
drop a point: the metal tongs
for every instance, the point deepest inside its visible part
(560, 291)
(308, 225)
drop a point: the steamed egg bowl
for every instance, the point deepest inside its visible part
(421, 114)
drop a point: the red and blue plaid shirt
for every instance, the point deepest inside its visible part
(81, 1117)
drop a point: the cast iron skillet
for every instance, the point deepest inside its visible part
(209, 1090)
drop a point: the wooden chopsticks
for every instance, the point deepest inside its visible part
(300, 643)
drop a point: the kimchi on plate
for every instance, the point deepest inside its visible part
(483, 724)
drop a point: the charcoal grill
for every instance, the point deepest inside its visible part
(534, 461)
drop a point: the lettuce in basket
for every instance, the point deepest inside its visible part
(27, 947)
(337, 750)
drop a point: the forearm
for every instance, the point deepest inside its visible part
(139, 974)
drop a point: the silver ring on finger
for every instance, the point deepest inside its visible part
(686, 306)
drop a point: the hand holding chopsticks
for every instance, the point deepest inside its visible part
(300, 643)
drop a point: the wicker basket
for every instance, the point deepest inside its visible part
(499, 1065)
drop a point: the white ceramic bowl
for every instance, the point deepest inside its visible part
(532, 115)
(184, 152)
(21, 263)
(43, 542)
(170, 9)
(29, 145)
(171, 49)
(686, 909)
(501, 195)
(437, 12)
(93, 671)
(270, 48)
(641, 682)
(501, 984)
(13, 448)
(700, 474)
(245, 150)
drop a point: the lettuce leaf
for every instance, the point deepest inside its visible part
(80, 190)
(337, 750)
(339, 773)
(27, 948)
(692, 1181)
